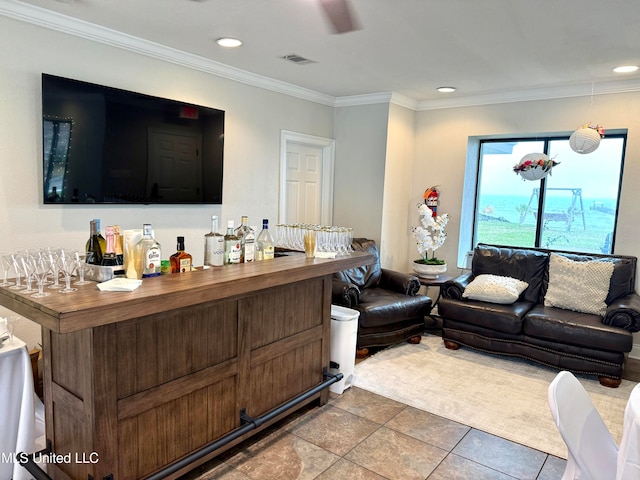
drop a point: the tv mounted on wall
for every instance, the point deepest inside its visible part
(106, 145)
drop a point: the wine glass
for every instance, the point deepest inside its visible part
(81, 267)
(52, 256)
(15, 262)
(12, 321)
(67, 264)
(27, 266)
(41, 269)
(5, 265)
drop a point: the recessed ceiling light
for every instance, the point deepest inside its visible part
(446, 89)
(229, 42)
(626, 69)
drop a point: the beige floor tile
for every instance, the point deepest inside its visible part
(346, 470)
(368, 405)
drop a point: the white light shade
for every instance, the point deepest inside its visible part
(229, 42)
(584, 140)
(626, 69)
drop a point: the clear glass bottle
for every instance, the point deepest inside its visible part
(110, 258)
(181, 261)
(148, 253)
(247, 241)
(214, 245)
(232, 247)
(93, 250)
(265, 244)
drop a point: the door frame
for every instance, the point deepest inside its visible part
(328, 159)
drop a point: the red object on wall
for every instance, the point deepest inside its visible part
(431, 199)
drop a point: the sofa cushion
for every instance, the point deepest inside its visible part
(624, 271)
(527, 265)
(575, 328)
(500, 317)
(366, 276)
(494, 289)
(579, 286)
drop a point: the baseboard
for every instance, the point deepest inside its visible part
(635, 351)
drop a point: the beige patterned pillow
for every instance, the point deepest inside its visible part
(494, 289)
(578, 286)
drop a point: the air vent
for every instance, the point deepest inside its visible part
(292, 57)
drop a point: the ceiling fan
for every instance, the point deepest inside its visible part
(340, 15)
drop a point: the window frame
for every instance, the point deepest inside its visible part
(469, 210)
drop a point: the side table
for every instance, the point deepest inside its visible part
(434, 322)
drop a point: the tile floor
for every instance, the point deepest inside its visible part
(362, 436)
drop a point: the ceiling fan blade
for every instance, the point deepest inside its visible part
(340, 15)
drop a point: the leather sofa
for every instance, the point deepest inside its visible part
(584, 343)
(391, 310)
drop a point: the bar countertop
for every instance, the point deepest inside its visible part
(89, 307)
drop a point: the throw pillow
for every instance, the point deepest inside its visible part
(494, 289)
(578, 286)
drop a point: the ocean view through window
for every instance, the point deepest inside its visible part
(574, 208)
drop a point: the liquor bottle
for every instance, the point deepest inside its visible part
(109, 258)
(232, 246)
(180, 261)
(93, 249)
(214, 245)
(247, 241)
(148, 253)
(101, 239)
(265, 245)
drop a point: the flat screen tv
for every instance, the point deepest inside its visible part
(106, 145)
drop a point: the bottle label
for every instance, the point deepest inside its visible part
(268, 253)
(185, 265)
(249, 251)
(235, 253)
(214, 251)
(151, 260)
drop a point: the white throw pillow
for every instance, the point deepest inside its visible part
(579, 286)
(494, 289)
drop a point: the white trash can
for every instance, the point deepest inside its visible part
(344, 335)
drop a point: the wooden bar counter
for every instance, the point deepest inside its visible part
(135, 381)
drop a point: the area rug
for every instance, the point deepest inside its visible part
(504, 396)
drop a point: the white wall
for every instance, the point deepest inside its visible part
(361, 139)
(254, 119)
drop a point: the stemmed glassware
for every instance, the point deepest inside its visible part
(16, 261)
(6, 264)
(81, 268)
(328, 238)
(27, 266)
(67, 263)
(41, 269)
(52, 256)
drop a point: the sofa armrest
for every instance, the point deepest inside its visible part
(624, 312)
(399, 282)
(454, 288)
(344, 293)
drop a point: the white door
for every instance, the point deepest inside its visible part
(306, 179)
(175, 166)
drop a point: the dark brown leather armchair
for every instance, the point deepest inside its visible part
(391, 310)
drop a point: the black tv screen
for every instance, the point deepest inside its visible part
(106, 145)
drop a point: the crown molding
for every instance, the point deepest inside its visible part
(547, 93)
(80, 28)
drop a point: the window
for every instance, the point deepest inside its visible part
(575, 208)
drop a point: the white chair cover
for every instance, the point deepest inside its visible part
(592, 450)
(629, 455)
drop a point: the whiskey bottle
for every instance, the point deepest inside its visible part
(93, 250)
(214, 245)
(265, 244)
(247, 241)
(180, 261)
(148, 253)
(232, 248)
